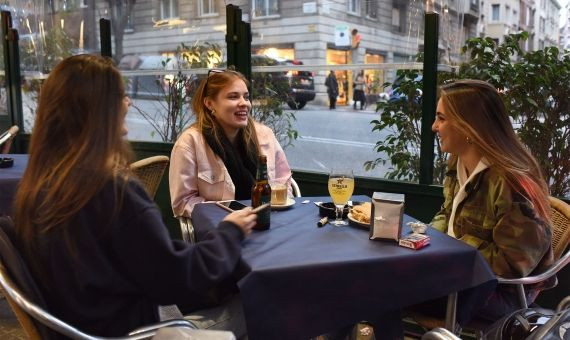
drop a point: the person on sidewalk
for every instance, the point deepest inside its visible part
(358, 94)
(332, 89)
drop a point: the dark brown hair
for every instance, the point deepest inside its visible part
(75, 148)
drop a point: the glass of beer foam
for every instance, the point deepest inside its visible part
(278, 192)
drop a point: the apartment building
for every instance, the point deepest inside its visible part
(501, 17)
(546, 21)
(565, 30)
(538, 17)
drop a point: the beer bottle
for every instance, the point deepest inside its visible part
(261, 194)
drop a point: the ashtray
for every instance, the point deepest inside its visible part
(329, 209)
(6, 162)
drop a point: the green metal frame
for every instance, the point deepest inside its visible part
(238, 40)
(12, 75)
(429, 96)
(105, 35)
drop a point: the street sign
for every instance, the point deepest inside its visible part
(342, 35)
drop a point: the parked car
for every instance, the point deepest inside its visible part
(395, 93)
(302, 86)
(297, 86)
(148, 86)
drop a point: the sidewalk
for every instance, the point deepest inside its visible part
(371, 108)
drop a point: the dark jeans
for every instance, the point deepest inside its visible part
(332, 102)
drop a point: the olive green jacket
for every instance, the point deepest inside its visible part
(499, 222)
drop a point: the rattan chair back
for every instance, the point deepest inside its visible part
(560, 217)
(149, 171)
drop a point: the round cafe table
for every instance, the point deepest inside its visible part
(9, 179)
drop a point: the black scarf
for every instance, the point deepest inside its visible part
(241, 167)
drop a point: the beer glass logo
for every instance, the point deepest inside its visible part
(340, 184)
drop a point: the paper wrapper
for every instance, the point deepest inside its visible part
(387, 215)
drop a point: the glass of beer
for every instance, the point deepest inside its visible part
(341, 186)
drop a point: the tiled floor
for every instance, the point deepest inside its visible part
(9, 326)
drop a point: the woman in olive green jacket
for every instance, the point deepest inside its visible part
(496, 198)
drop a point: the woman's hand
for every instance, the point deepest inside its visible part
(244, 219)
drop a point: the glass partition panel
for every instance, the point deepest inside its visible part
(49, 31)
(3, 94)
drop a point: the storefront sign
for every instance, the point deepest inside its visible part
(342, 35)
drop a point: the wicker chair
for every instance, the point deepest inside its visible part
(560, 217)
(150, 171)
(6, 139)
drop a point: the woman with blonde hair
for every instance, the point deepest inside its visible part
(496, 198)
(216, 158)
(93, 238)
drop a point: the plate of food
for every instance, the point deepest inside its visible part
(289, 204)
(359, 215)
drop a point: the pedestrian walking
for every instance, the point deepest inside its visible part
(358, 94)
(332, 89)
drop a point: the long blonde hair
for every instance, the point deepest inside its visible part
(210, 87)
(477, 110)
(75, 148)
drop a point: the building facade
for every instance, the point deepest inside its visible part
(539, 18)
(565, 30)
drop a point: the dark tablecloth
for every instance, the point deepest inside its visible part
(306, 281)
(9, 179)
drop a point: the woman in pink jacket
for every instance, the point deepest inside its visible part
(216, 158)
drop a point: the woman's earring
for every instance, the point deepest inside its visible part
(212, 112)
(469, 141)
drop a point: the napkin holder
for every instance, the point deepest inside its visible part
(386, 216)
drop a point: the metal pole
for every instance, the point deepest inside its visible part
(105, 37)
(231, 33)
(238, 38)
(12, 71)
(429, 96)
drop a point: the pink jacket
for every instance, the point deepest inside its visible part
(197, 174)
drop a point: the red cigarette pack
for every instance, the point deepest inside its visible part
(414, 241)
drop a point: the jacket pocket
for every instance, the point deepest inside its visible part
(210, 177)
(474, 226)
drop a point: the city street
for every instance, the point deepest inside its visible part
(327, 138)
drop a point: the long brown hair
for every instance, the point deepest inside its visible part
(477, 111)
(75, 148)
(210, 87)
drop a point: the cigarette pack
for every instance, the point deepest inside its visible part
(414, 241)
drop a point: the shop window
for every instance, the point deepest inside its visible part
(168, 9)
(265, 8)
(207, 8)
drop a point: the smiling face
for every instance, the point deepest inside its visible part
(451, 139)
(231, 107)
